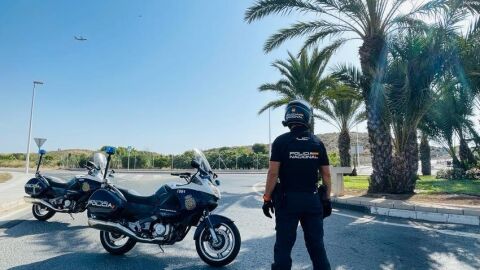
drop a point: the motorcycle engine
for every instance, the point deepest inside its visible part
(161, 230)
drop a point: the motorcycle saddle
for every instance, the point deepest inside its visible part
(138, 199)
(59, 183)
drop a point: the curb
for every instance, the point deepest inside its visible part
(353, 207)
(411, 211)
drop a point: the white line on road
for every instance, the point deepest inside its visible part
(370, 219)
(256, 187)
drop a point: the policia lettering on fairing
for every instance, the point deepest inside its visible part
(292, 192)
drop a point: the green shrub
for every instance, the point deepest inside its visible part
(334, 159)
(451, 174)
(473, 174)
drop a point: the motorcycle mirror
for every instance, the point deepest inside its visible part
(92, 165)
(217, 182)
(195, 164)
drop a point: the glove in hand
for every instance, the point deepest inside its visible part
(267, 208)
(326, 203)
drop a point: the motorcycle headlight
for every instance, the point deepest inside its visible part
(215, 190)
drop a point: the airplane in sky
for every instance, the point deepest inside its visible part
(80, 38)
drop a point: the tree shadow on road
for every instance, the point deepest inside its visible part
(34, 227)
(350, 245)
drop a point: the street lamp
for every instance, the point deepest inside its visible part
(30, 126)
(129, 149)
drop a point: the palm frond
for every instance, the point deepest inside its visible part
(300, 29)
(274, 104)
(264, 8)
(348, 74)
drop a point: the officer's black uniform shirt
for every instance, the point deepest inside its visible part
(300, 154)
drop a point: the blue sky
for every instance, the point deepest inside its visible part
(163, 75)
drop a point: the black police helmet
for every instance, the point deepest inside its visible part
(298, 112)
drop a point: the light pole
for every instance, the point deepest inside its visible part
(129, 149)
(30, 127)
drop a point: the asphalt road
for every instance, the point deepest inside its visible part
(353, 240)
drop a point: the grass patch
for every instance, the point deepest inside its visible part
(4, 177)
(356, 182)
(425, 185)
(435, 186)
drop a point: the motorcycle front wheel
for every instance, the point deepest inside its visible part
(222, 252)
(115, 243)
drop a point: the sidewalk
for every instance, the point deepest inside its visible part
(459, 214)
(12, 192)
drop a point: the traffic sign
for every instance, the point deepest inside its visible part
(39, 142)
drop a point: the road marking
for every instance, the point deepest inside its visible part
(255, 188)
(372, 219)
(369, 219)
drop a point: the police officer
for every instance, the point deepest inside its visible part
(291, 190)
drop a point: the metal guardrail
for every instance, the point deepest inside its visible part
(157, 171)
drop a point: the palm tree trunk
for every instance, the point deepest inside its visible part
(344, 148)
(405, 167)
(425, 156)
(411, 152)
(466, 156)
(373, 63)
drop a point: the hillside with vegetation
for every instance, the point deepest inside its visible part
(237, 157)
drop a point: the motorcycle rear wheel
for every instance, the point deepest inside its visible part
(41, 212)
(109, 242)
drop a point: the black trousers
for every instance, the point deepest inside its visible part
(306, 209)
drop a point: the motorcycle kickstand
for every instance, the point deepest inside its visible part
(71, 216)
(161, 249)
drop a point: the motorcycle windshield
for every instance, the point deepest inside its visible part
(202, 160)
(100, 161)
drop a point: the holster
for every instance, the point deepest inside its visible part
(322, 192)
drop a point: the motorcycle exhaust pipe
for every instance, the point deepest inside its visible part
(117, 228)
(42, 202)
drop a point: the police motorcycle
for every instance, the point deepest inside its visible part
(50, 195)
(166, 217)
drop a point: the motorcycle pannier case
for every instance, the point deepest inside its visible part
(36, 187)
(105, 204)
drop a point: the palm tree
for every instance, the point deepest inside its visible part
(302, 78)
(371, 21)
(450, 116)
(368, 20)
(343, 112)
(415, 61)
